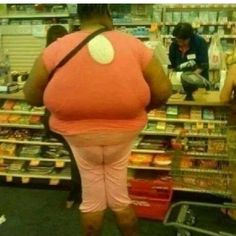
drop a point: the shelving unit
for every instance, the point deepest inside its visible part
(16, 161)
(30, 16)
(205, 171)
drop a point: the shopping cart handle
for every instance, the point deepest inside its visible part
(230, 204)
(226, 234)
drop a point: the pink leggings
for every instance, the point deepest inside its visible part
(103, 171)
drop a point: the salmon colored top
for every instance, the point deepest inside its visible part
(85, 96)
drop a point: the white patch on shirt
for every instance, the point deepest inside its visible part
(101, 49)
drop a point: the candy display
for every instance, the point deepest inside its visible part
(161, 160)
(140, 159)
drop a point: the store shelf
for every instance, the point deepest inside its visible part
(37, 176)
(148, 167)
(41, 143)
(31, 16)
(205, 154)
(22, 126)
(134, 23)
(15, 96)
(201, 98)
(208, 171)
(36, 159)
(214, 192)
(179, 120)
(31, 113)
(141, 36)
(197, 155)
(174, 134)
(229, 23)
(206, 135)
(220, 36)
(148, 151)
(199, 6)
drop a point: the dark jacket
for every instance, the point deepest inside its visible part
(198, 52)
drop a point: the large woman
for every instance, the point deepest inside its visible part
(98, 102)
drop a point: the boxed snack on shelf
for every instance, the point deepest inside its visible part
(7, 149)
(55, 152)
(161, 126)
(43, 169)
(170, 128)
(196, 113)
(8, 105)
(22, 134)
(38, 135)
(29, 151)
(14, 119)
(38, 109)
(5, 133)
(15, 166)
(24, 120)
(22, 106)
(35, 120)
(208, 164)
(162, 160)
(184, 112)
(186, 163)
(217, 146)
(151, 126)
(196, 145)
(160, 112)
(4, 118)
(140, 159)
(172, 111)
(153, 143)
(208, 114)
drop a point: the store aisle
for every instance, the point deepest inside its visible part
(34, 212)
(37, 212)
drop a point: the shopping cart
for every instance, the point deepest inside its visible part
(181, 214)
(184, 221)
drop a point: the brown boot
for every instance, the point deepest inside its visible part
(127, 221)
(92, 223)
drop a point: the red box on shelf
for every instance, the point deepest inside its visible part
(151, 198)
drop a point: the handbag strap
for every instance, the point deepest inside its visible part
(75, 50)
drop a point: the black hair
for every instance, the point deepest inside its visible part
(54, 32)
(88, 11)
(183, 31)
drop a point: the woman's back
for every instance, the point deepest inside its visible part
(86, 90)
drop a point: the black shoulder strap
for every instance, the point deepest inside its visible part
(75, 50)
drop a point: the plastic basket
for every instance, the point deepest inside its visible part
(151, 199)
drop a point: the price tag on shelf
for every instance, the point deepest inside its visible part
(211, 126)
(60, 164)
(54, 181)
(25, 180)
(199, 125)
(1, 161)
(34, 162)
(9, 178)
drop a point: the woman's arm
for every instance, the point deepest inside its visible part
(36, 83)
(226, 92)
(159, 84)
